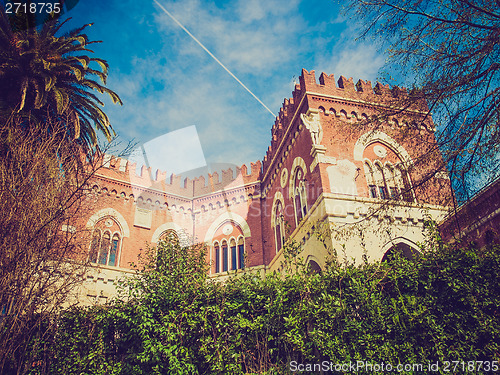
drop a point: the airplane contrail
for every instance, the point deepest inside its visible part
(212, 55)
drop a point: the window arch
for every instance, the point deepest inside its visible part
(106, 242)
(299, 195)
(169, 235)
(217, 257)
(228, 247)
(370, 179)
(279, 226)
(388, 181)
(234, 256)
(241, 253)
(229, 255)
(225, 256)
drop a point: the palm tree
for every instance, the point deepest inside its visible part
(44, 76)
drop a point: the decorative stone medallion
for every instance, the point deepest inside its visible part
(380, 151)
(227, 229)
(108, 223)
(284, 177)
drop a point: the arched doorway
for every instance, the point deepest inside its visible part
(401, 247)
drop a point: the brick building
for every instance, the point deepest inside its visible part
(348, 157)
(477, 221)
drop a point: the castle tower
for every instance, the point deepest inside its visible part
(355, 161)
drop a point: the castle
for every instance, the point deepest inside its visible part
(358, 160)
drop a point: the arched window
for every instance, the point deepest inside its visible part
(408, 191)
(94, 247)
(279, 226)
(217, 257)
(299, 195)
(387, 181)
(241, 253)
(229, 257)
(392, 185)
(169, 235)
(234, 256)
(103, 252)
(370, 179)
(224, 256)
(380, 180)
(115, 242)
(106, 242)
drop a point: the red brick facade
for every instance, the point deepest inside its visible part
(330, 141)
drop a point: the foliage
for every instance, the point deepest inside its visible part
(448, 50)
(47, 148)
(44, 75)
(173, 320)
(38, 237)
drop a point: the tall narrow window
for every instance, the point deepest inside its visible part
(279, 226)
(94, 247)
(217, 258)
(114, 249)
(300, 196)
(241, 254)
(233, 255)
(407, 193)
(303, 198)
(298, 211)
(394, 193)
(380, 180)
(106, 242)
(103, 254)
(383, 192)
(224, 257)
(390, 179)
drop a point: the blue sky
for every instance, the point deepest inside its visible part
(168, 82)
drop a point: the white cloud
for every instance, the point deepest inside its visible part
(265, 43)
(250, 37)
(361, 61)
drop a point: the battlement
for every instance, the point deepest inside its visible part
(345, 88)
(124, 171)
(343, 95)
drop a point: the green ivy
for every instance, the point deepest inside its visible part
(172, 319)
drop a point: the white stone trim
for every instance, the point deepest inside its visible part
(167, 226)
(227, 216)
(278, 197)
(315, 259)
(297, 162)
(377, 136)
(120, 220)
(398, 240)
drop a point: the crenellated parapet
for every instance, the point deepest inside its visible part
(361, 91)
(119, 177)
(341, 98)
